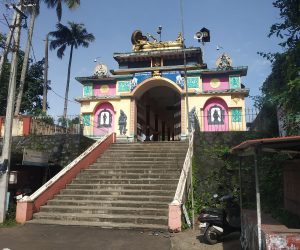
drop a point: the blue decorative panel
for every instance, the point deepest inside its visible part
(236, 115)
(86, 119)
(87, 90)
(174, 76)
(138, 78)
(193, 82)
(124, 86)
(235, 82)
(142, 76)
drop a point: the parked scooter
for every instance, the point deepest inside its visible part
(219, 222)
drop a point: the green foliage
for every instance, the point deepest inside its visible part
(271, 181)
(65, 122)
(73, 35)
(214, 169)
(42, 116)
(72, 4)
(286, 218)
(282, 87)
(217, 171)
(32, 102)
(2, 41)
(289, 28)
(33, 89)
(4, 88)
(10, 220)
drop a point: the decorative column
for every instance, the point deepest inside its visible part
(183, 119)
(133, 118)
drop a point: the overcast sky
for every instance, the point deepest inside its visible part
(240, 27)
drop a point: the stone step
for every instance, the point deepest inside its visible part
(151, 144)
(113, 218)
(114, 175)
(151, 154)
(137, 171)
(148, 148)
(109, 198)
(105, 210)
(136, 164)
(101, 224)
(109, 203)
(121, 187)
(129, 186)
(109, 191)
(132, 163)
(143, 181)
(141, 150)
(118, 158)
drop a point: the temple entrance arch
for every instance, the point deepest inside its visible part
(158, 110)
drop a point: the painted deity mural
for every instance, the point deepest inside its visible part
(104, 119)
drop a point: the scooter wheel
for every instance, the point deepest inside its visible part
(211, 236)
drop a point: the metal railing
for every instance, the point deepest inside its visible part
(71, 165)
(184, 183)
(229, 121)
(50, 125)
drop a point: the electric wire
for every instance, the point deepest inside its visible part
(62, 96)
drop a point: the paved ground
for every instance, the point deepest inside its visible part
(52, 237)
(192, 240)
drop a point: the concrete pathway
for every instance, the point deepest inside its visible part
(52, 237)
(192, 240)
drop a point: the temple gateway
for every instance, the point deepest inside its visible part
(145, 98)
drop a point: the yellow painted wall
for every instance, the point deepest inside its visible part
(17, 127)
(118, 104)
(232, 100)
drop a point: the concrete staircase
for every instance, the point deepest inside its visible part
(130, 186)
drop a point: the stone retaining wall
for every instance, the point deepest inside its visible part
(274, 235)
(62, 149)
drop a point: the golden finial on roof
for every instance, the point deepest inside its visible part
(142, 43)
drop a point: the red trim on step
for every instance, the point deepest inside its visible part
(25, 211)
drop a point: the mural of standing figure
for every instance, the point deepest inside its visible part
(122, 123)
(192, 116)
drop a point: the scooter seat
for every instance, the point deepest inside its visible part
(216, 211)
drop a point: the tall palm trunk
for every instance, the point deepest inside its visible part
(25, 62)
(68, 83)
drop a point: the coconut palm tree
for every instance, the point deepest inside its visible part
(72, 4)
(74, 36)
(32, 8)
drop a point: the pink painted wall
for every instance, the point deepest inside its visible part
(224, 83)
(99, 92)
(215, 127)
(103, 130)
(174, 219)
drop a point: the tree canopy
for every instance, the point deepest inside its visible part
(33, 89)
(281, 89)
(73, 35)
(289, 28)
